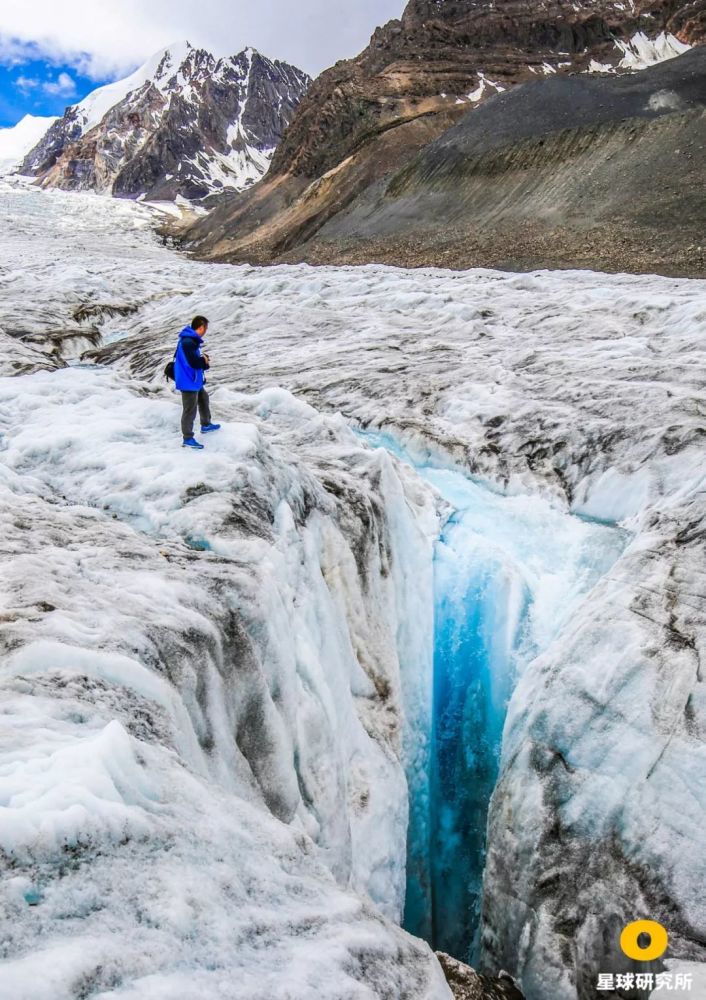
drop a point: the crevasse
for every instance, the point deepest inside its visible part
(508, 573)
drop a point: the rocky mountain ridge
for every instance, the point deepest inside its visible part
(364, 119)
(454, 54)
(185, 124)
(604, 172)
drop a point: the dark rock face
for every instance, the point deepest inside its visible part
(364, 118)
(467, 984)
(583, 171)
(434, 56)
(48, 150)
(191, 127)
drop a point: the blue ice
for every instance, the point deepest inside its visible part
(508, 574)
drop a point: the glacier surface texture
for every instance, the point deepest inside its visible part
(257, 702)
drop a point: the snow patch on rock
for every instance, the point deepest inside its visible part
(639, 52)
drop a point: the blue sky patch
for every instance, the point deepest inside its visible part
(38, 87)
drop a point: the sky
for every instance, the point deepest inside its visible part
(53, 54)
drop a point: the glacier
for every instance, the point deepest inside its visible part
(219, 677)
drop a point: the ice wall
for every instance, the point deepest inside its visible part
(201, 788)
(509, 573)
(481, 605)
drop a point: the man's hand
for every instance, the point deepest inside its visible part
(207, 359)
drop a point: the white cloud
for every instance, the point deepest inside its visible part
(63, 86)
(26, 83)
(13, 52)
(102, 38)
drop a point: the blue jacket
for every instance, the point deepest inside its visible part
(189, 366)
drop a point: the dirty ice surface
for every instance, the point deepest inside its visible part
(217, 667)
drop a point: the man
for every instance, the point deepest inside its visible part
(189, 366)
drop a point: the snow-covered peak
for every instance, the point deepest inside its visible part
(172, 59)
(215, 123)
(16, 142)
(159, 70)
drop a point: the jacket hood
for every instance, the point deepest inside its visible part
(189, 331)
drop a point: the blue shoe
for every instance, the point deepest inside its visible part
(205, 428)
(192, 443)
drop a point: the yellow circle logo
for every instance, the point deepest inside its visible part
(656, 933)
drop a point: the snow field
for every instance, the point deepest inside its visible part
(16, 142)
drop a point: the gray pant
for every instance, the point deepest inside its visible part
(191, 401)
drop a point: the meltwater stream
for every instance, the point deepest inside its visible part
(509, 571)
